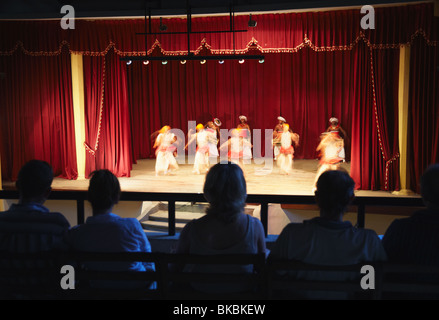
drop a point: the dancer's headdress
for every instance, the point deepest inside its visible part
(281, 119)
(217, 122)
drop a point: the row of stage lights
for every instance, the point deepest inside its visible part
(146, 62)
(190, 56)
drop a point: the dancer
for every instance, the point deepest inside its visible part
(201, 162)
(330, 147)
(212, 128)
(336, 128)
(235, 147)
(165, 160)
(245, 132)
(286, 153)
(277, 133)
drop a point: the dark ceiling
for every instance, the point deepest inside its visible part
(43, 9)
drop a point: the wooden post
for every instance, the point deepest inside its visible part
(403, 113)
(171, 217)
(2, 207)
(78, 110)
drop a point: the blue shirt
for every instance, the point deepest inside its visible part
(111, 233)
(326, 242)
(31, 227)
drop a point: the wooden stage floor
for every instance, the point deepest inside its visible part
(259, 180)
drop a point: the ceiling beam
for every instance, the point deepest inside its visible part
(50, 9)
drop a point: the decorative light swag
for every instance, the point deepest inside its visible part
(190, 55)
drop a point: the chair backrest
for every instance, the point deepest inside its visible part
(30, 275)
(65, 275)
(41, 276)
(212, 278)
(290, 279)
(407, 281)
(95, 283)
(89, 283)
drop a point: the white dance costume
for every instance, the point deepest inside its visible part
(247, 149)
(277, 144)
(286, 153)
(212, 142)
(236, 149)
(165, 153)
(201, 162)
(332, 147)
(341, 153)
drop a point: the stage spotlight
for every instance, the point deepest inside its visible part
(261, 61)
(241, 61)
(183, 61)
(146, 62)
(164, 62)
(221, 61)
(252, 23)
(129, 62)
(162, 27)
(203, 61)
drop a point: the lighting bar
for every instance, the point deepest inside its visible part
(185, 32)
(193, 57)
(188, 32)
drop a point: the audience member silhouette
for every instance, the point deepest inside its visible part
(415, 240)
(327, 239)
(105, 231)
(225, 229)
(29, 226)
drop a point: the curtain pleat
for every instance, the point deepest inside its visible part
(36, 113)
(108, 124)
(423, 129)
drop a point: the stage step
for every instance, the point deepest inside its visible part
(182, 217)
(157, 217)
(159, 220)
(161, 226)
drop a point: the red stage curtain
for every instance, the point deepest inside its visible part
(307, 88)
(375, 154)
(36, 113)
(386, 86)
(285, 31)
(107, 124)
(423, 127)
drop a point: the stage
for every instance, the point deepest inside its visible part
(260, 180)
